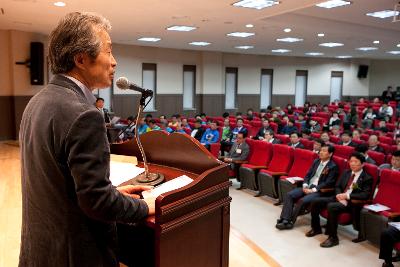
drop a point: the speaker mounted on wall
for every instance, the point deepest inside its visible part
(35, 63)
(362, 71)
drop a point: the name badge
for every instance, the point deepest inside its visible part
(238, 151)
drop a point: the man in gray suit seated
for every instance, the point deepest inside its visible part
(239, 151)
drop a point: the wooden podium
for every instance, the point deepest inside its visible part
(191, 224)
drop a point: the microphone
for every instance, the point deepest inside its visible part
(124, 84)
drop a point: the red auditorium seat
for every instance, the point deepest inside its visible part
(343, 151)
(346, 218)
(386, 140)
(257, 124)
(302, 161)
(387, 148)
(358, 142)
(284, 139)
(334, 139)
(252, 131)
(308, 144)
(259, 159)
(321, 121)
(388, 195)
(377, 156)
(280, 165)
(274, 126)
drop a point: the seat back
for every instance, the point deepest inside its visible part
(341, 163)
(284, 139)
(308, 144)
(334, 139)
(282, 158)
(386, 140)
(388, 190)
(302, 161)
(377, 156)
(343, 151)
(261, 152)
(372, 170)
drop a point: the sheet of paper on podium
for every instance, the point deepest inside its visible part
(121, 172)
(173, 184)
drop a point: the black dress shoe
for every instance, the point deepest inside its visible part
(387, 264)
(284, 225)
(258, 195)
(358, 240)
(330, 242)
(277, 203)
(313, 232)
(280, 220)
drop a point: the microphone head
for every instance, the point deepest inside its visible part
(122, 83)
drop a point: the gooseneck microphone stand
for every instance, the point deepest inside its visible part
(145, 178)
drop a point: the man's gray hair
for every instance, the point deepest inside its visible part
(74, 34)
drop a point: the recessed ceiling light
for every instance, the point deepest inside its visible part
(181, 28)
(395, 52)
(200, 43)
(367, 48)
(245, 47)
(321, 34)
(331, 44)
(333, 3)
(257, 4)
(383, 14)
(314, 54)
(59, 4)
(281, 51)
(376, 42)
(240, 34)
(249, 25)
(344, 57)
(287, 30)
(398, 45)
(289, 40)
(149, 39)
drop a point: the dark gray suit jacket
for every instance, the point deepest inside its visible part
(70, 208)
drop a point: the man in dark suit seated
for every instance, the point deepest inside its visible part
(269, 137)
(354, 184)
(197, 131)
(389, 237)
(373, 144)
(295, 141)
(346, 140)
(322, 174)
(261, 132)
(100, 106)
(239, 151)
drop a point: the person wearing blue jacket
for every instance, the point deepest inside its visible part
(210, 136)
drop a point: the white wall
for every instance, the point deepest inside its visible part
(382, 74)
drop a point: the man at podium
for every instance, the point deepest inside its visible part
(70, 208)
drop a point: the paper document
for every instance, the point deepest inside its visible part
(376, 207)
(395, 224)
(293, 180)
(121, 172)
(173, 184)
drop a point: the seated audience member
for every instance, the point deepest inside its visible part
(376, 100)
(265, 127)
(361, 100)
(373, 144)
(346, 140)
(318, 143)
(148, 117)
(174, 121)
(143, 127)
(397, 139)
(353, 184)
(306, 134)
(388, 94)
(301, 119)
(289, 128)
(198, 131)
(295, 141)
(269, 137)
(382, 126)
(356, 134)
(163, 119)
(389, 237)
(362, 149)
(239, 115)
(322, 174)
(314, 126)
(100, 106)
(199, 118)
(239, 151)
(325, 108)
(262, 114)
(394, 162)
(153, 126)
(325, 137)
(203, 116)
(335, 130)
(353, 115)
(238, 129)
(225, 115)
(185, 124)
(368, 118)
(164, 127)
(249, 114)
(210, 136)
(179, 129)
(334, 120)
(385, 112)
(226, 137)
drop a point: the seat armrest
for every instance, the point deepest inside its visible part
(240, 161)
(327, 190)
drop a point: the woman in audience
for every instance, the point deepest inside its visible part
(334, 120)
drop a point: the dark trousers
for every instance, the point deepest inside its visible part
(389, 237)
(291, 209)
(225, 146)
(136, 245)
(317, 205)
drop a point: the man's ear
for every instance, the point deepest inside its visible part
(80, 60)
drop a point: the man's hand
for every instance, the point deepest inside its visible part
(151, 203)
(133, 190)
(341, 196)
(227, 159)
(307, 191)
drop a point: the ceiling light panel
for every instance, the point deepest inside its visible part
(290, 40)
(396, 52)
(256, 4)
(321, 34)
(344, 57)
(149, 39)
(314, 54)
(367, 48)
(200, 43)
(240, 34)
(249, 25)
(331, 44)
(287, 30)
(181, 28)
(384, 14)
(59, 4)
(333, 4)
(281, 51)
(245, 47)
